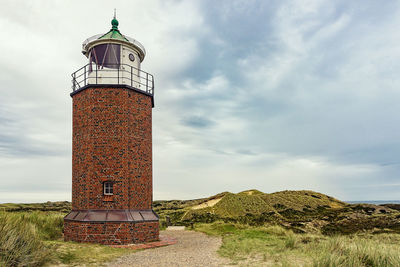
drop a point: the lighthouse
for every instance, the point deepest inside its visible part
(112, 102)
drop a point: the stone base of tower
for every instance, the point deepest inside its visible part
(109, 232)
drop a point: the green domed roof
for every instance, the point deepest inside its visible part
(114, 32)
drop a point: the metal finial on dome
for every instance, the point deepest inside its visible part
(114, 21)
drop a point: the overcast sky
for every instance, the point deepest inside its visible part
(271, 95)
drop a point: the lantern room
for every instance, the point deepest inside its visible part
(113, 58)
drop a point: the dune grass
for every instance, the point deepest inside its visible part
(276, 246)
(35, 239)
(357, 251)
(20, 243)
(49, 225)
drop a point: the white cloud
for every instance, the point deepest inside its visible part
(287, 95)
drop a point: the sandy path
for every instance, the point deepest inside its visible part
(192, 249)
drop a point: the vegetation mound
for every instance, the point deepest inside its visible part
(301, 211)
(252, 204)
(301, 200)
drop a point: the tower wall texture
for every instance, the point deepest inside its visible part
(112, 142)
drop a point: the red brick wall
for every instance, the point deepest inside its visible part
(111, 142)
(111, 233)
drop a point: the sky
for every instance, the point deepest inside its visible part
(270, 95)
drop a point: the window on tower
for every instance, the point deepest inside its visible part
(106, 55)
(108, 188)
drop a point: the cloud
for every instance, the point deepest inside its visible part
(197, 122)
(306, 92)
(269, 95)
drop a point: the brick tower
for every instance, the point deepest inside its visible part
(112, 144)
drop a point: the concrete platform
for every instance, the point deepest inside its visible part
(176, 228)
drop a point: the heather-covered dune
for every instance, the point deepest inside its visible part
(301, 200)
(301, 211)
(253, 204)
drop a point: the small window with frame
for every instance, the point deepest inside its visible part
(108, 188)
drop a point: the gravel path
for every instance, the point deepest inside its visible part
(192, 249)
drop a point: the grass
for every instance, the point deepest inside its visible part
(20, 243)
(35, 239)
(277, 246)
(74, 254)
(357, 251)
(49, 225)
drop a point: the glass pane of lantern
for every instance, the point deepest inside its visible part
(106, 55)
(112, 56)
(97, 54)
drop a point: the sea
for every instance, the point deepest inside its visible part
(376, 202)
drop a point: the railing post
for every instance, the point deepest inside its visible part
(96, 72)
(84, 71)
(131, 76)
(147, 82)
